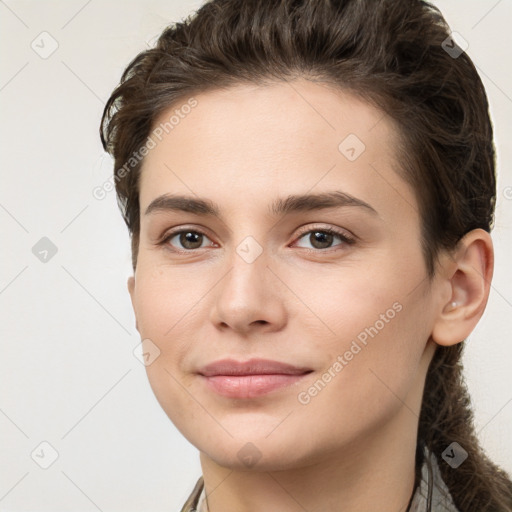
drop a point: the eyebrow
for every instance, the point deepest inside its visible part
(280, 206)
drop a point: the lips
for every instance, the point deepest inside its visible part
(250, 379)
(251, 367)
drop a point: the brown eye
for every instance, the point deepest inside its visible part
(320, 239)
(323, 238)
(188, 239)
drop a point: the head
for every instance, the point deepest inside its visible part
(247, 104)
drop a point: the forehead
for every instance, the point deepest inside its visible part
(253, 142)
(280, 117)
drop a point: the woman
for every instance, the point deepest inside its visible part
(310, 187)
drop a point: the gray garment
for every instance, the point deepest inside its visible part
(441, 499)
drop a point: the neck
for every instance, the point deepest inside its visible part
(370, 474)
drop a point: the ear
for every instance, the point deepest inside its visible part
(131, 291)
(466, 277)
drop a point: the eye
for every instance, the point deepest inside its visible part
(190, 239)
(322, 238)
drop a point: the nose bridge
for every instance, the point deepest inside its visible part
(250, 250)
(248, 262)
(246, 295)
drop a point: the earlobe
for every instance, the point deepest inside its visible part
(131, 291)
(469, 279)
(131, 285)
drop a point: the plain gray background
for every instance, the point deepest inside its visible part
(70, 379)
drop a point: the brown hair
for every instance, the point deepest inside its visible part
(393, 54)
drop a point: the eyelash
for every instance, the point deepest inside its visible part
(344, 237)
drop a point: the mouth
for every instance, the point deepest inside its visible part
(250, 379)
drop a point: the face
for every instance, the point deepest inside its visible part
(335, 287)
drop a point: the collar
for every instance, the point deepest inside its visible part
(441, 499)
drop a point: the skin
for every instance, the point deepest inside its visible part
(354, 442)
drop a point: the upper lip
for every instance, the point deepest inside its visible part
(251, 367)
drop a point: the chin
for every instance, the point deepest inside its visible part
(258, 461)
(260, 454)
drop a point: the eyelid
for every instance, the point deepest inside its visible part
(334, 230)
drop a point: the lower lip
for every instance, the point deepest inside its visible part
(249, 386)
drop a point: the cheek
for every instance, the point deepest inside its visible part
(370, 358)
(166, 309)
(364, 384)
(352, 305)
(167, 306)
(167, 301)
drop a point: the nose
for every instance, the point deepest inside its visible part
(248, 298)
